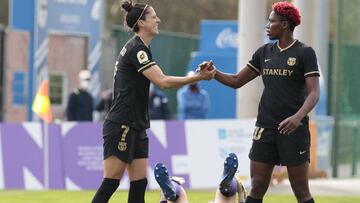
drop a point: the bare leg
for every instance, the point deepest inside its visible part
(113, 172)
(182, 196)
(137, 169)
(220, 198)
(138, 180)
(114, 168)
(260, 178)
(299, 179)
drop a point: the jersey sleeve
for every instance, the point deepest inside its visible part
(141, 58)
(310, 63)
(254, 63)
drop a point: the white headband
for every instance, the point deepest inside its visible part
(142, 12)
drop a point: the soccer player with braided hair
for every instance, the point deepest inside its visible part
(290, 75)
(125, 140)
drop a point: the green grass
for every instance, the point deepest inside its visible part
(20, 196)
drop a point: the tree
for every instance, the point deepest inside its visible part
(4, 8)
(179, 15)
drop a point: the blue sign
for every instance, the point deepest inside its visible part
(219, 36)
(218, 42)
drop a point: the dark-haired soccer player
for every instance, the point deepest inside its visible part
(291, 78)
(125, 139)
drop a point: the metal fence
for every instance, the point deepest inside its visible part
(344, 88)
(349, 149)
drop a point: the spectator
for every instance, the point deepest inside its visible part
(193, 102)
(104, 105)
(158, 104)
(80, 103)
(105, 101)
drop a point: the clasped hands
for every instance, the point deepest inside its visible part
(206, 70)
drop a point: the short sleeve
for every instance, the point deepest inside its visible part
(310, 63)
(141, 58)
(254, 63)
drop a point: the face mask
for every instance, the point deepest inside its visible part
(193, 86)
(151, 88)
(84, 84)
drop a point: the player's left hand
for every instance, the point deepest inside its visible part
(207, 74)
(290, 124)
(206, 70)
(208, 65)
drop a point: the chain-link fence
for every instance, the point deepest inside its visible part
(343, 85)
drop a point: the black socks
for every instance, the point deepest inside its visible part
(137, 191)
(252, 200)
(310, 201)
(107, 188)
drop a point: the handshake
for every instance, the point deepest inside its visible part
(206, 69)
(209, 65)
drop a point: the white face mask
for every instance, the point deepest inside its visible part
(151, 88)
(84, 84)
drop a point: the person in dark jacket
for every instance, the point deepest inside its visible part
(158, 104)
(105, 101)
(81, 104)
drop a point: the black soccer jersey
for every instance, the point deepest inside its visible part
(283, 73)
(131, 87)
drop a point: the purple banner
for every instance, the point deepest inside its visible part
(82, 153)
(176, 145)
(75, 154)
(21, 151)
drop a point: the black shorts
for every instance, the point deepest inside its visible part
(271, 147)
(124, 142)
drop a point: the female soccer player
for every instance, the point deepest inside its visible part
(291, 78)
(125, 139)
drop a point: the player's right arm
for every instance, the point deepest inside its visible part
(246, 74)
(236, 80)
(141, 58)
(156, 76)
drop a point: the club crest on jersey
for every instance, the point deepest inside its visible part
(291, 61)
(142, 57)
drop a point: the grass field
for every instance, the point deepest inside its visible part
(19, 196)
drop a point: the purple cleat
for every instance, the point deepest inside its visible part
(163, 179)
(230, 168)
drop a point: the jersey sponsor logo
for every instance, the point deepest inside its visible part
(266, 60)
(122, 52)
(291, 61)
(278, 71)
(142, 57)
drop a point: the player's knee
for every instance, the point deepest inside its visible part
(258, 187)
(114, 175)
(301, 192)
